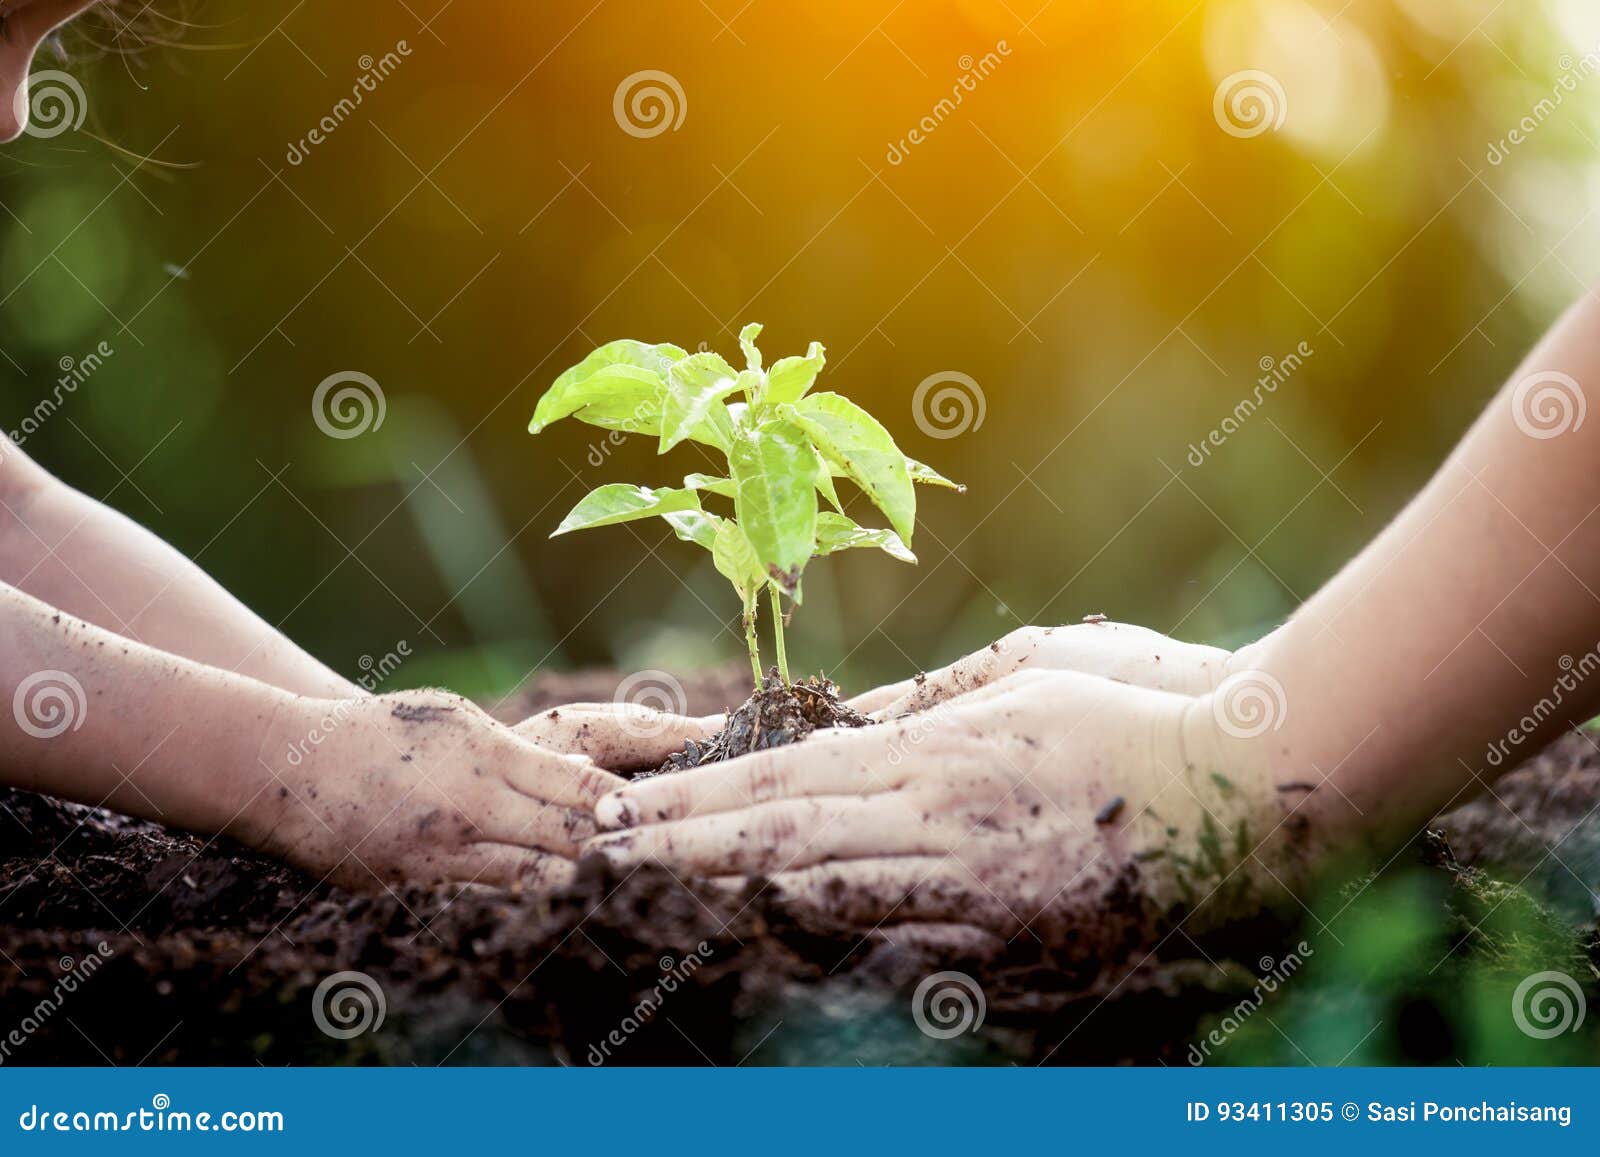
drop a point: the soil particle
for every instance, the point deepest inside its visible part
(1110, 811)
(421, 712)
(775, 715)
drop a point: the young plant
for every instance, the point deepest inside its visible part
(783, 444)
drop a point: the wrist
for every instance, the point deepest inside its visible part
(1246, 845)
(279, 767)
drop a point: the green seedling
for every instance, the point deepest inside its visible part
(784, 446)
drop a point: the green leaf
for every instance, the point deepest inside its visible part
(617, 397)
(857, 443)
(790, 378)
(825, 481)
(628, 377)
(747, 342)
(775, 498)
(835, 532)
(736, 560)
(695, 526)
(621, 502)
(928, 476)
(694, 385)
(709, 483)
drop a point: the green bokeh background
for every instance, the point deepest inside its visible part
(1079, 236)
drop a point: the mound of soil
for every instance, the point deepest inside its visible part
(208, 953)
(775, 715)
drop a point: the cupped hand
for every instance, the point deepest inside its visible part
(1088, 811)
(1120, 651)
(617, 736)
(420, 786)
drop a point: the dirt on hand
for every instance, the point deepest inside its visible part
(206, 952)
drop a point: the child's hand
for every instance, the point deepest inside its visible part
(419, 786)
(1129, 654)
(617, 736)
(1089, 811)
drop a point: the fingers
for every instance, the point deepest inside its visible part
(905, 890)
(880, 697)
(776, 837)
(1005, 685)
(976, 671)
(535, 825)
(825, 764)
(568, 780)
(485, 862)
(505, 865)
(619, 736)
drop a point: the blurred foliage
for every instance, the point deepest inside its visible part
(1412, 966)
(1078, 235)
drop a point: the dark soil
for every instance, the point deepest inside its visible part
(213, 954)
(775, 715)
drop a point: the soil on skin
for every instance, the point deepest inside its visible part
(211, 954)
(775, 715)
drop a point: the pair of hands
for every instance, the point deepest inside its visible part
(1070, 781)
(1078, 782)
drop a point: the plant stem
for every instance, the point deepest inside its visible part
(777, 633)
(750, 636)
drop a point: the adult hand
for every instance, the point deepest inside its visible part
(1089, 811)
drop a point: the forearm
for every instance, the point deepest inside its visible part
(1403, 679)
(105, 721)
(83, 557)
